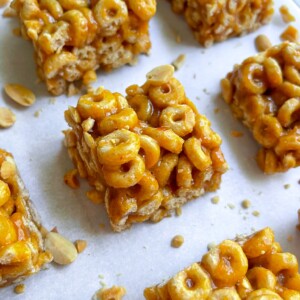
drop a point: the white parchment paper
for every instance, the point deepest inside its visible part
(142, 256)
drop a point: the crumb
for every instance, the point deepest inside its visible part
(102, 225)
(52, 100)
(246, 203)
(215, 200)
(16, 31)
(177, 241)
(236, 133)
(19, 289)
(95, 196)
(286, 16)
(256, 213)
(231, 205)
(178, 211)
(290, 238)
(216, 110)
(101, 276)
(72, 90)
(37, 113)
(290, 34)
(178, 38)
(178, 62)
(80, 245)
(287, 186)
(54, 229)
(211, 246)
(113, 293)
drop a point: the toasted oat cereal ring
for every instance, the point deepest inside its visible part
(125, 175)
(253, 78)
(288, 143)
(145, 188)
(263, 294)
(191, 283)
(293, 282)
(267, 130)
(118, 147)
(144, 9)
(273, 72)
(260, 277)
(126, 118)
(142, 106)
(166, 138)
(291, 73)
(226, 263)
(150, 150)
(289, 112)
(225, 293)
(167, 94)
(180, 118)
(195, 153)
(285, 263)
(184, 175)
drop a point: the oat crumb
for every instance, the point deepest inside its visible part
(178, 211)
(246, 203)
(80, 245)
(215, 200)
(286, 16)
(256, 213)
(231, 205)
(236, 133)
(19, 289)
(177, 241)
(113, 293)
(37, 113)
(287, 186)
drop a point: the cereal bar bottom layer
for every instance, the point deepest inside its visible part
(263, 92)
(252, 267)
(217, 20)
(148, 153)
(21, 244)
(71, 38)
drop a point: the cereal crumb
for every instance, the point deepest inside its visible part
(178, 211)
(177, 241)
(211, 246)
(113, 293)
(80, 245)
(215, 200)
(37, 113)
(54, 229)
(286, 16)
(231, 205)
(52, 100)
(179, 61)
(290, 34)
(19, 289)
(236, 133)
(256, 213)
(95, 196)
(287, 186)
(246, 203)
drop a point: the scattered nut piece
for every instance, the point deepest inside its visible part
(63, 251)
(88, 124)
(160, 74)
(9, 13)
(262, 43)
(256, 213)
(215, 200)
(95, 196)
(246, 204)
(20, 94)
(287, 17)
(236, 133)
(80, 245)
(19, 289)
(177, 241)
(179, 61)
(3, 2)
(71, 179)
(287, 186)
(113, 293)
(89, 77)
(178, 211)
(7, 117)
(290, 34)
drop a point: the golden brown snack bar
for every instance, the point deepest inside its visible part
(263, 92)
(146, 154)
(217, 20)
(252, 267)
(21, 244)
(71, 38)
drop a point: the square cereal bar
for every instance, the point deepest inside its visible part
(249, 268)
(217, 20)
(263, 91)
(21, 244)
(72, 38)
(149, 153)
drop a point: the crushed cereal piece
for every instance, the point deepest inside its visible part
(246, 204)
(236, 133)
(80, 245)
(89, 77)
(290, 34)
(20, 94)
(262, 43)
(215, 200)
(179, 61)
(7, 117)
(286, 15)
(71, 179)
(20, 288)
(177, 241)
(256, 213)
(113, 293)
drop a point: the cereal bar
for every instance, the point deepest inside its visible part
(217, 20)
(248, 268)
(73, 38)
(263, 92)
(21, 244)
(148, 153)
